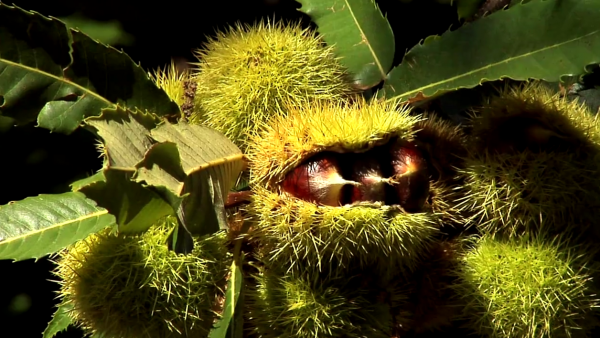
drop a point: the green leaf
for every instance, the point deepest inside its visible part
(59, 76)
(135, 207)
(467, 8)
(125, 135)
(541, 40)
(60, 321)
(126, 139)
(230, 324)
(360, 34)
(37, 226)
(97, 177)
(193, 168)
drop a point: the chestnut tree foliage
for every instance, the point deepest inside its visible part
(156, 164)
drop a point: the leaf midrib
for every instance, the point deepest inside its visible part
(61, 79)
(57, 225)
(368, 43)
(489, 66)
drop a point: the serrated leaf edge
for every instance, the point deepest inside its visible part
(405, 95)
(416, 91)
(59, 79)
(215, 163)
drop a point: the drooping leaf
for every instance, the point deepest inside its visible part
(135, 207)
(360, 34)
(194, 168)
(230, 324)
(60, 321)
(125, 135)
(541, 40)
(37, 226)
(59, 76)
(126, 139)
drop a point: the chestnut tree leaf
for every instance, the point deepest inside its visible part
(41, 225)
(134, 206)
(59, 76)
(467, 8)
(230, 324)
(194, 168)
(125, 136)
(60, 321)
(97, 177)
(360, 34)
(126, 139)
(541, 39)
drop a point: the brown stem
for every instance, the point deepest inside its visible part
(189, 94)
(237, 198)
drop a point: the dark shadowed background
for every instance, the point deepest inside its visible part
(33, 161)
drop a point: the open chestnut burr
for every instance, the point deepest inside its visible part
(392, 174)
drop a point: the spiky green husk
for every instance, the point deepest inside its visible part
(532, 164)
(432, 300)
(445, 147)
(528, 287)
(335, 126)
(172, 82)
(248, 74)
(310, 305)
(444, 142)
(291, 230)
(131, 287)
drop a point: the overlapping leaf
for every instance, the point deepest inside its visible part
(135, 207)
(59, 76)
(360, 34)
(97, 177)
(540, 39)
(126, 139)
(125, 136)
(37, 226)
(193, 167)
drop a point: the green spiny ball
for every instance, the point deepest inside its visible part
(329, 236)
(172, 82)
(132, 287)
(533, 163)
(303, 306)
(528, 288)
(249, 74)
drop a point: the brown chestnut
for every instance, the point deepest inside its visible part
(366, 170)
(410, 176)
(317, 180)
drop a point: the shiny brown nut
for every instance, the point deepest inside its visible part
(410, 176)
(317, 180)
(366, 170)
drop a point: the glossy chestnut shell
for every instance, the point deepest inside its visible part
(393, 174)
